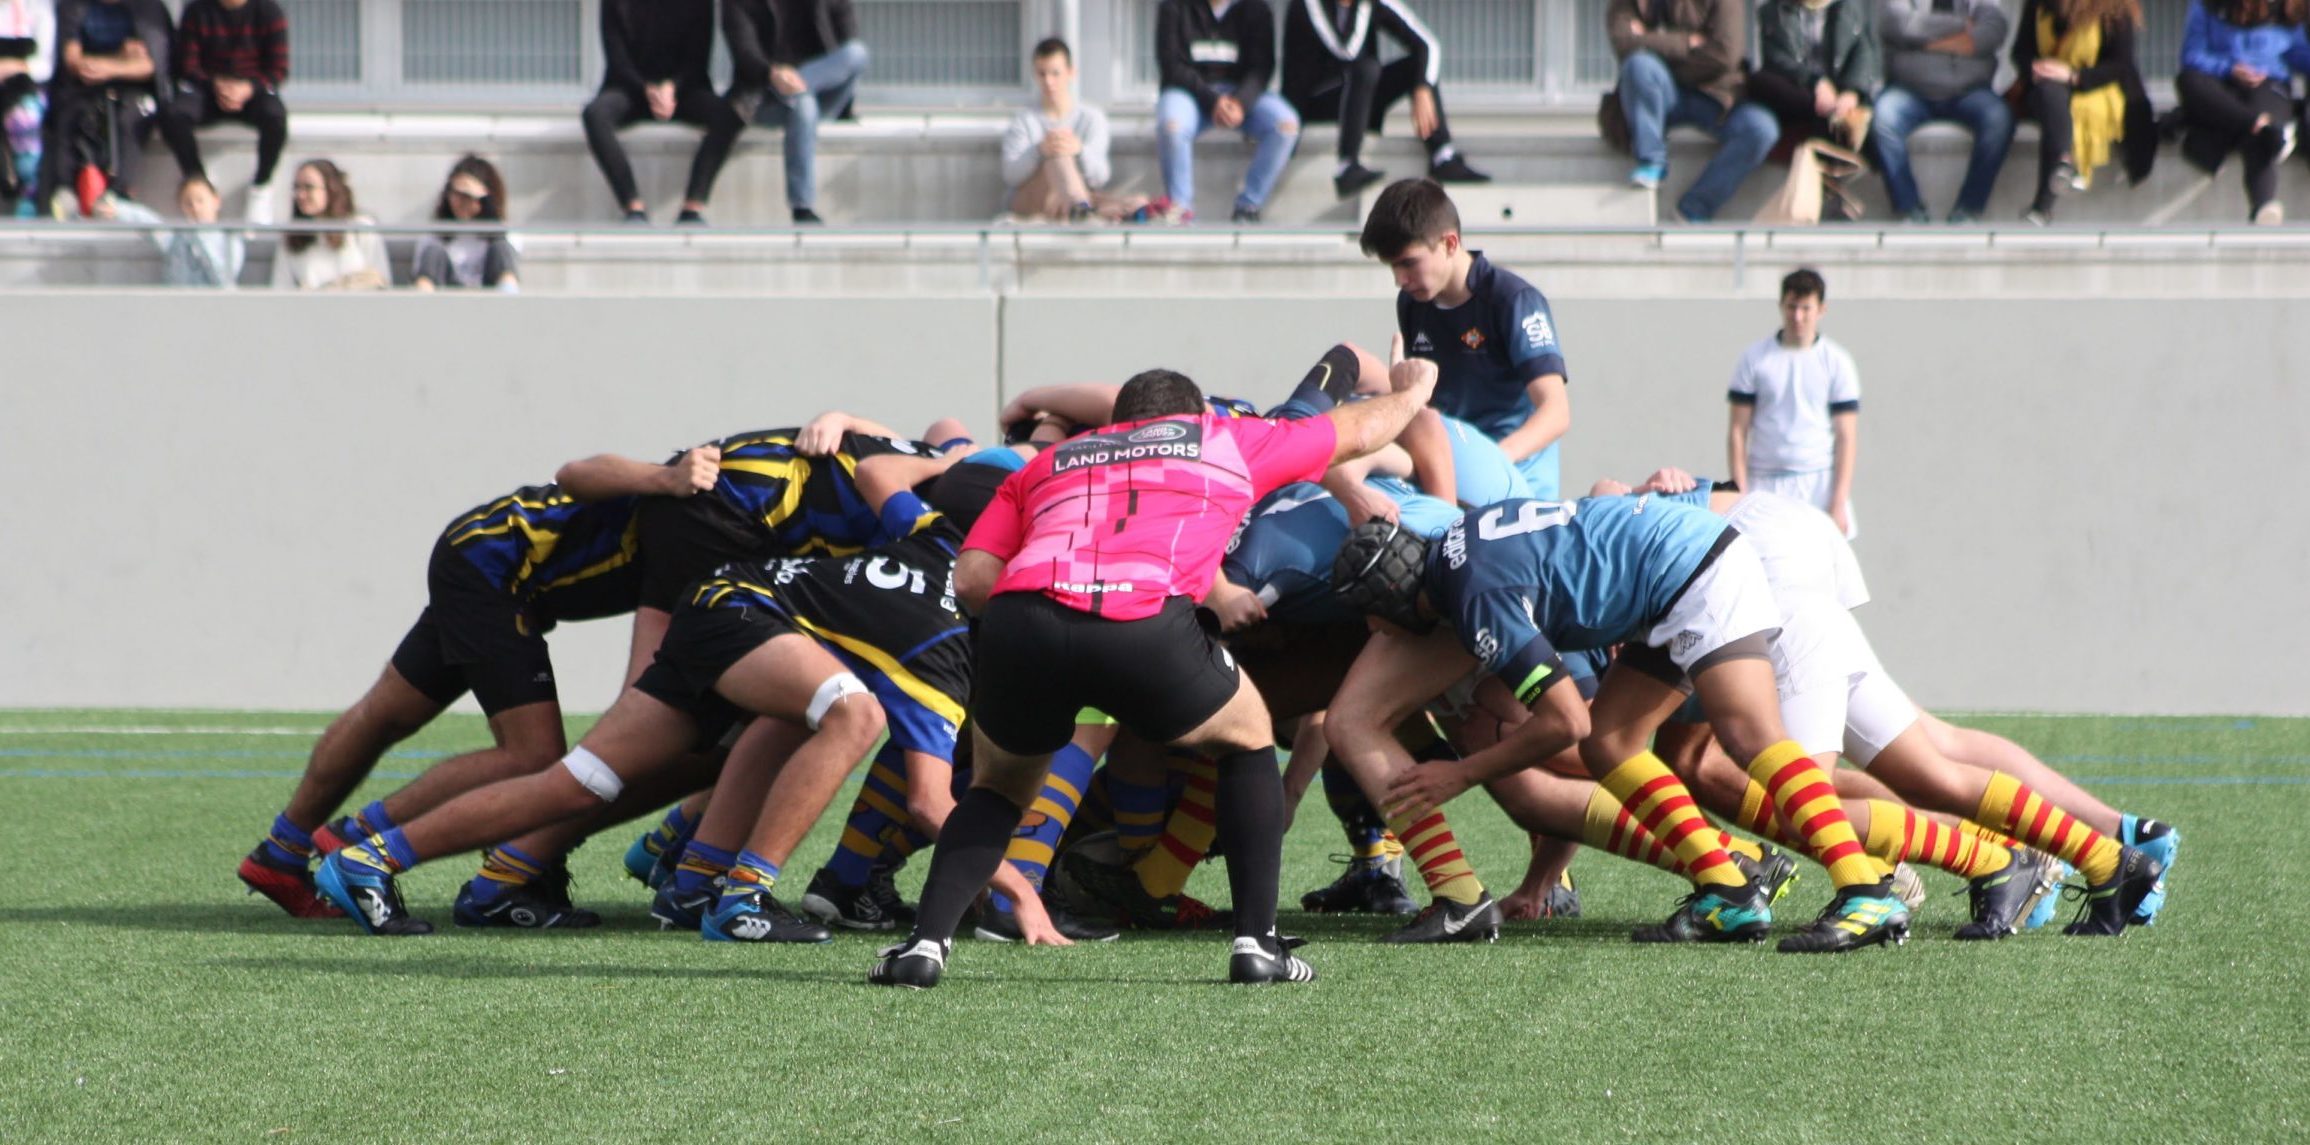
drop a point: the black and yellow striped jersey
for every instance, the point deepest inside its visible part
(891, 608)
(808, 506)
(567, 559)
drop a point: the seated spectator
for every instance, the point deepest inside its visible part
(1940, 61)
(1822, 67)
(1680, 63)
(1332, 74)
(475, 193)
(232, 57)
(113, 58)
(794, 64)
(656, 53)
(2237, 87)
(27, 59)
(1055, 154)
(209, 257)
(1216, 57)
(335, 260)
(2075, 59)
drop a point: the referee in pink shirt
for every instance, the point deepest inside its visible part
(1085, 573)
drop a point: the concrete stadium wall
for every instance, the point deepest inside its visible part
(228, 502)
(2057, 499)
(2040, 488)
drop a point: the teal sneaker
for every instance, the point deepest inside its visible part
(2161, 842)
(1715, 914)
(1857, 917)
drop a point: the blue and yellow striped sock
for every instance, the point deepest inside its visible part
(1367, 831)
(1139, 809)
(1038, 832)
(372, 820)
(503, 868)
(701, 864)
(750, 873)
(387, 851)
(669, 831)
(288, 844)
(880, 807)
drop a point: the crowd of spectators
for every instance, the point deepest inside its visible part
(84, 82)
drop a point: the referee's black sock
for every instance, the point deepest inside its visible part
(970, 848)
(1250, 813)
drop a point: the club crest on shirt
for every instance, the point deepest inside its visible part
(1473, 339)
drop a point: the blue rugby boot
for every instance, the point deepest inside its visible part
(361, 886)
(754, 916)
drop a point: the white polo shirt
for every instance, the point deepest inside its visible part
(1794, 391)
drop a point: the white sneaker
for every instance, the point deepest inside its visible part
(259, 208)
(2270, 214)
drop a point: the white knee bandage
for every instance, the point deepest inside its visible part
(593, 774)
(832, 690)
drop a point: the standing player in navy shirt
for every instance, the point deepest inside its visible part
(1488, 331)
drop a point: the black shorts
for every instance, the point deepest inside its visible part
(1040, 662)
(473, 636)
(701, 645)
(684, 539)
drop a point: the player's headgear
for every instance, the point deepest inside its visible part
(1377, 572)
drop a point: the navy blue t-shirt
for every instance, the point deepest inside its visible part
(1487, 349)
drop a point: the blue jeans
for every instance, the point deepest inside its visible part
(830, 81)
(1982, 111)
(1653, 103)
(1268, 122)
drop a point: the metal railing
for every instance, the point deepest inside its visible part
(1732, 246)
(497, 53)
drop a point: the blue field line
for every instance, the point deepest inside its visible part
(2194, 760)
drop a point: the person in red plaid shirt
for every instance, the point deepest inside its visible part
(232, 56)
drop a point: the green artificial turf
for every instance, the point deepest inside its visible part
(144, 997)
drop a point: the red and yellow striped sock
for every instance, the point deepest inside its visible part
(2010, 806)
(1902, 834)
(1807, 804)
(1756, 808)
(1976, 830)
(1664, 809)
(1187, 837)
(1436, 852)
(1756, 817)
(1607, 826)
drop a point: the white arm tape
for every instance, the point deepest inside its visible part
(836, 686)
(593, 774)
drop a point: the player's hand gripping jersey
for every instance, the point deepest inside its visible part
(1113, 523)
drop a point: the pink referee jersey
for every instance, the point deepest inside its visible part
(1115, 521)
